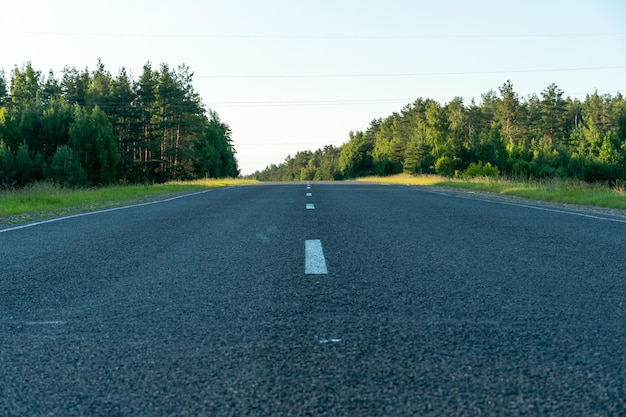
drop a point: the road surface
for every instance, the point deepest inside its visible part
(330, 299)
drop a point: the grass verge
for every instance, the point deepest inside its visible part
(43, 200)
(555, 190)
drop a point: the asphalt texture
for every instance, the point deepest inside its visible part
(433, 305)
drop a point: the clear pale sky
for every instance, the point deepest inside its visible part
(290, 76)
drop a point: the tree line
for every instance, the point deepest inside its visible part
(91, 128)
(542, 136)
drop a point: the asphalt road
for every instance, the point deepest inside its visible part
(417, 303)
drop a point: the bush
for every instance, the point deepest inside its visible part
(481, 170)
(7, 167)
(64, 169)
(597, 171)
(447, 166)
(28, 168)
(575, 168)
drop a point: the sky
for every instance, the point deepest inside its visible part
(291, 76)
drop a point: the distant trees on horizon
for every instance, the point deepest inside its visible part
(91, 128)
(544, 136)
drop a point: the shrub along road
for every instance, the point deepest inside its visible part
(427, 304)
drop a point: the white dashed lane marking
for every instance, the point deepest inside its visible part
(314, 260)
(329, 340)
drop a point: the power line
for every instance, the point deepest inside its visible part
(412, 74)
(317, 37)
(335, 102)
(299, 103)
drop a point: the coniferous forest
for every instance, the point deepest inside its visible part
(89, 128)
(542, 136)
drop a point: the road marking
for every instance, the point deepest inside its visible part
(89, 213)
(310, 206)
(45, 323)
(529, 206)
(330, 341)
(314, 261)
(309, 194)
(551, 210)
(308, 187)
(263, 238)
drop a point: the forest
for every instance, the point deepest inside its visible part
(89, 128)
(542, 136)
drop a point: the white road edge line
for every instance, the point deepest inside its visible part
(89, 213)
(572, 213)
(310, 206)
(314, 260)
(541, 208)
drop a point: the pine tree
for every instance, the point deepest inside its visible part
(91, 137)
(553, 115)
(65, 168)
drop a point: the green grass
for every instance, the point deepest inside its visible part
(44, 199)
(557, 191)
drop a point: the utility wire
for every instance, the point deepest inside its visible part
(337, 102)
(238, 104)
(413, 74)
(316, 37)
(308, 103)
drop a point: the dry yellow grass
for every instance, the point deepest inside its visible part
(554, 190)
